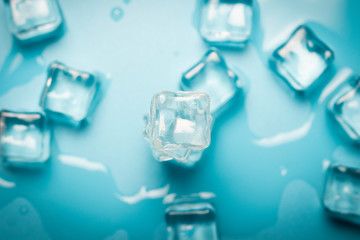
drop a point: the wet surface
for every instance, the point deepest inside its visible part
(264, 169)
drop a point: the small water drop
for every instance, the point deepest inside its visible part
(126, 1)
(24, 210)
(117, 13)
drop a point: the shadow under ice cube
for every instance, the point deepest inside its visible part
(226, 23)
(179, 126)
(345, 108)
(24, 138)
(342, 193)
(191, 221)
(302, 59)
(33, 19)
(212, 76)
(69, 95)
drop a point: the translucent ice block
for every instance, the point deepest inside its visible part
(302, 59)
(33, 19)
(212, 76)
(342, 193)
(226, 23)
(345, 108)
(24, 138)
(69, 94)
(179, 126)
(193, 221)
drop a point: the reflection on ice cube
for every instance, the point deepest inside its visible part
(342, 193)
(212, 76)
(24, 138)
(189, 221)
(179, 126)
(33, 19)
(226, 23)
(69, 94)
(302, 59)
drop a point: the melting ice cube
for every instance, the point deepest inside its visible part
(191, 221)
(345, 108)
(33, 19)
(226, 23)
(342, 193)
(24, 138)
(212, 76)
(179, 126)
(302, 59)
(69, 94)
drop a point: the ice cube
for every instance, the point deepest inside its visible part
(179, 126)
(226, 23)
(33, 19)
(188, 221)
(212, 76)
(24, 138)
(302, 59)
(345, 108)
(342, 193)
(69, 94)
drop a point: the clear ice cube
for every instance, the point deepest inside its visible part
(342, 193)
(179, 126)
(302, 59)
(24, 138)
(212, 76)
(191, 221)
(69, 94)
(226, 23)
(345, 108)
(33, 19)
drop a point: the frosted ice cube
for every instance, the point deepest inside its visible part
(33, 19)
(188, 221)
(342, 193)
(24, 138)
(212, 76)
(179, 125)
(345, 108)
(226, 23)
(302, 59)
(69, 94)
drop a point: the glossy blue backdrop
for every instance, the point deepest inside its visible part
(264, 169)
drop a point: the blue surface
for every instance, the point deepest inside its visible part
(264, 169)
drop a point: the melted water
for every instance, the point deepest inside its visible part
(264, 168)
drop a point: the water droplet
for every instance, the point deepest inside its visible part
(24, 210)
(176, 53)
(11, 221)
(117, 13)
(126, 1)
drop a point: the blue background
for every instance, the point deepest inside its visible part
(264, 170)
